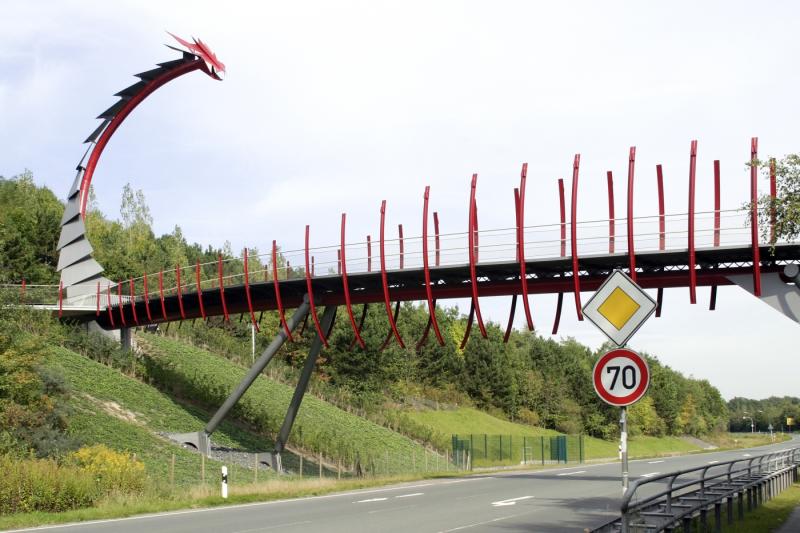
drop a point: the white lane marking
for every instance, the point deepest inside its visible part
(510, 501)
(372, 500)
(713, 462)
(410, 495)
(572, 473)
(746, 455)
(651, 474)
(476, 524)
(402, 508)
(654, 462)
(265, 528)
(223, 508)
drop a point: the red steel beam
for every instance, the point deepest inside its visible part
(133, 301)
(563, 214)
(712, 302)
(427, 272)
(277, 287)
(108, 305)
(473, 227)
(385, 279)
(468, 329)
(513, 309)
(631, 251)
(523, 275)
(310, 287)
(773, 193)
(692, 271)
(388, 338)
(717, 204)
(161, 294)
(180, 291)
(611, 218)
(199, 289)
(754, 216)
(222, 289)
(247, 292)
(346, 286)
(576, 281)
(662, 231)
(146, 298)
(119, 304)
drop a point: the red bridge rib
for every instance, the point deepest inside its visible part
(692, 272)
(346, 286)
(146, 298)
(523, 275)
(277, 287)
(576, 280)
(513, 309)
(426, 269)
(180, 291)
(611, 219)
(161, 294)
(712, 303)
(662, 233)
(108, 305)
(247, 292)
(119, 304)
(310, 287)
(631, 251)
(385, 279)
(222, 289)
(563, 228)
(133, 300)
(199, 289)
(754, 216)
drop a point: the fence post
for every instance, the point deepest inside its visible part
(471, 446)
(501, 447)
(203, 468)
(255, 471)
(524, 451)
(542, 438)
(301, 465)
(172, 471)
(485, 446)
(446, 461)
(320, 464)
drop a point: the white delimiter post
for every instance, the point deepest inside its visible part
(225, 482)
(623, 446)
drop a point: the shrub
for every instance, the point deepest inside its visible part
(43, 485)
(112, 471)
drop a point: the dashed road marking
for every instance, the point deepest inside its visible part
(372, 500)
(654, 462)
(410, 495)
(651, 474)
(510, 501)
(572, 473)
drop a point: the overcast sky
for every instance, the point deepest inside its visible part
(335, 106)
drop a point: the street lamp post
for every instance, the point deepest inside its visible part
(752, 423)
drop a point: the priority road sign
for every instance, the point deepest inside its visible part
(621, 377)
(619, 307)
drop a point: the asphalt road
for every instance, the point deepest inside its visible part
(565, 499)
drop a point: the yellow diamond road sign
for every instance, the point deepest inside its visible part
(619, 307)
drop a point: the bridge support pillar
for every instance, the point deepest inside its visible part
(125, 338)
(201, 440)
(294, 406)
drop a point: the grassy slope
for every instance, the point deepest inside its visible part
(94, 386)
(319, 426)
(466, 420)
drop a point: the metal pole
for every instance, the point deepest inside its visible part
(623, 446)
(298, 316)
(299, 391)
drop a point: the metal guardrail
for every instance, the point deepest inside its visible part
(688, 497)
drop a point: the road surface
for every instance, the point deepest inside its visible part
(564, 499)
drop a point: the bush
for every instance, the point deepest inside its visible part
(112, 471)
(43, 485)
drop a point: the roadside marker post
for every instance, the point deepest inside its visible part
(621, 376)
(225, 482)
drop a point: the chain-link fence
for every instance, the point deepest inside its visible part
(493, 450)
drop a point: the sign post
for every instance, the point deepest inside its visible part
(620, 377)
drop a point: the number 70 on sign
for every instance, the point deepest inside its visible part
(621, 377)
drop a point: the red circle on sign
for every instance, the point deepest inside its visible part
(644, 373)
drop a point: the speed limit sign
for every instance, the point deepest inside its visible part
(621, 377)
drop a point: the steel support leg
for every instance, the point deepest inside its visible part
(730, 510)
(299, 391)
(298, 316)
(718, 517)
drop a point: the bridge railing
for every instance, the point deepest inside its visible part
(692, 493)
(594, 237)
